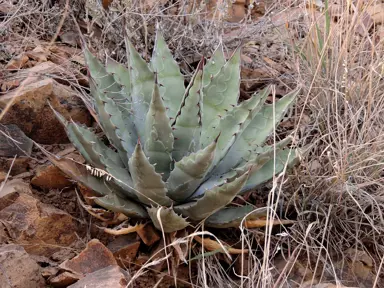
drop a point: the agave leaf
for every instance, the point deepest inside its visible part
(214, 65)
(236, 121)
(117, 204)
(168, 75)
(121, 180)
(255, 133)
(142, 79)
(267, 171)
(88, 144)
(122, 76)
(213, 200)
(189, 172)
(187, 125)
(158, 134)
(254, 165)
(104, 81)
(232, 216)
(258, 160)
(220, 96)
(170, 221)
(149, 185)
(116, 125)
(77, 172)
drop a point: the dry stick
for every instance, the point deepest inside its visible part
(61, 23)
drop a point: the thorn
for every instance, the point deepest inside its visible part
(217, 138)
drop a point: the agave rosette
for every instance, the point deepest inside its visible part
(176, 155)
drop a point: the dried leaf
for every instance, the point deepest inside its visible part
(212, 245)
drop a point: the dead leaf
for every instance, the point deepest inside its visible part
(181, 249)
(212, 245)
(123, 231)
(262, 223)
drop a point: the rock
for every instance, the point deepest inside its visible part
(3, 175)
(18, 270)
(40, 228)
(108, 277)
(94, 257)
(20, 165)
(50, 177)
(14, 142)
(64, 279)
(48, 272)
(148, 234)
(31, 113)
(9, 189)
(124, 249)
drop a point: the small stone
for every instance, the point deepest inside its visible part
(49, 271)
(14, 142)
(18, 270)
(108, 277)
(64, 279)
(50, 177)
(148, 235)
(141, 260)
(124, 248)
(94, 257)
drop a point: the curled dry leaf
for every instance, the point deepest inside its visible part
(212, 245)
(123, 231)
(264, 222)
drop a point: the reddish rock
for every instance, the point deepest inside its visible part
(94, 257)
(50, 177)
(20, 165)
(31, 113)
(148, 235)
(64, 279)
(14, 142)
(18, 270)
(3, 175)
(108, 277)
(124, 249)
(40, 228)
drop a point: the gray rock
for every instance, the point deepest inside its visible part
(17, 269)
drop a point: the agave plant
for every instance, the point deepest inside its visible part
(176, 155)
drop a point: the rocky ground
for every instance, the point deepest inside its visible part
(47, 238)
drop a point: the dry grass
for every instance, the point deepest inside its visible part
(337, 192)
